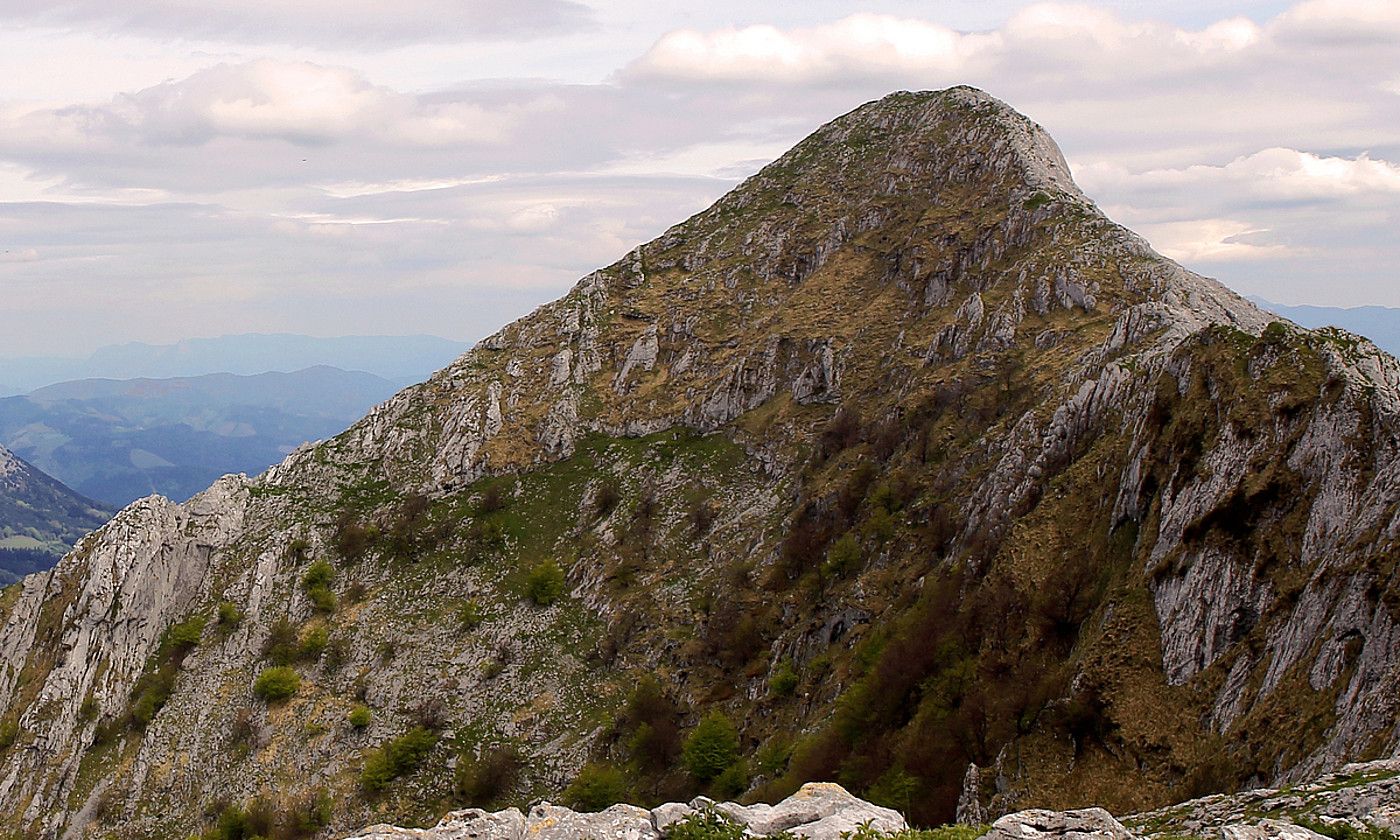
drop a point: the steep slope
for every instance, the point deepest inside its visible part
(118, 440)
(38, 512)
(901, 457)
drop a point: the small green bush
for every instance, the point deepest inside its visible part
(596, 787)
(230, 616)
(711, 748)
(9, 733)
(276, 684)
(317, 582)
(545, 584)
(313, 643)
(150, 694)
(360, 716)
(732, 782)
(844, 556)
(470, 615)
(784, 680)
(396, 758)
(317, 574)
(709, 824)
(181, 638)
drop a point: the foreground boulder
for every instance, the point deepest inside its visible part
(819, 811)
(1038, 824)
(1359, 800)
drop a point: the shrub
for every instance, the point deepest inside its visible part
(596, 787)
(230, 616)
(318, 574)
(486, 780)
(317, 583)
(281, 645)
(607, 498)
(784, 680)
(312, 643)
(651, 716)
(396, 758)
(702, 517)
(9, 733)
(431, 714)
(150, 694)
(297, 548)
(708, 824)
(276, 684)
(545, 584)
(843, 432)
(470, 615)
(308, 814)
(351, 538)
(322, 599)
(493, 499)
(843, 557)
(732, 782)
(711, 748)
(360, 716)
(335, 655)
(181, 638)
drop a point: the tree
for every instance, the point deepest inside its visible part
(712, 747)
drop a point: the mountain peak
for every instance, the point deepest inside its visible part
(898, 459)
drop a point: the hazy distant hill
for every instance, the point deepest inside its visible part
(402, 360)
(39, 518)
(117, 441)
(1381, 324)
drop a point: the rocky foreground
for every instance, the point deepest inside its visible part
(1359, 801)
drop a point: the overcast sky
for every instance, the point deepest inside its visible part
(179, 168)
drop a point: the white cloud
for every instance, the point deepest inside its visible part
(1356, 21)
(1275, 174)
(1212, 241)
(358, 22)
(881, 45)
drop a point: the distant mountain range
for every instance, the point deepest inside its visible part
(116, 441)
(1381, 324)
(402, 360)
(38, 516)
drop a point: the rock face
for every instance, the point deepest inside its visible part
(902, 458)
(818, 811)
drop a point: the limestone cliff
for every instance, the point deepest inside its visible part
(900, 458)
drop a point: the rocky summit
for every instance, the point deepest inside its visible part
(901, 466)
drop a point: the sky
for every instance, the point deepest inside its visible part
(173, 169)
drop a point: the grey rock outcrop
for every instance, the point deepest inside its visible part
(1039, 824)
(818, 811)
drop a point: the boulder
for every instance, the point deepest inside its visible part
(1084, 824)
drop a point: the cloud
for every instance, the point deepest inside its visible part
(362, 23)
(1277, 174)
(1213, 241)
(298, 102)
(872, 45)
(1352, 22)
(1266, 148)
